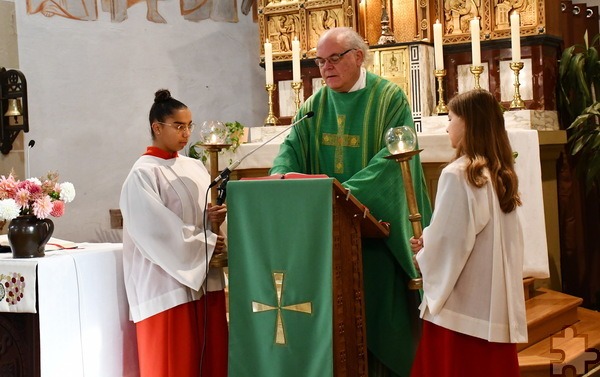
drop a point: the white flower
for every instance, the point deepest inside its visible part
(67, 192)
(9, 209)
(35, 180)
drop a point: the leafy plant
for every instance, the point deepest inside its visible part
(579, 81)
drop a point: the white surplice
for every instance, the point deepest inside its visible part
(472, 262)
(165, 256)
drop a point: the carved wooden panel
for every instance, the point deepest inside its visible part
(280, 21)
(537, 17)
(19, 345)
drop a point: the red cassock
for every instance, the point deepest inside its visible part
(446, 353)
(171, 343)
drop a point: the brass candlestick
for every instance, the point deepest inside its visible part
(477, 70)
(297, 85)
(271, 119)
(441, 107)
(220, 259)
(517, 102)
(403, 160)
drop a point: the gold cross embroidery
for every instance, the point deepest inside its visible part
(340, 141)
(305, 307)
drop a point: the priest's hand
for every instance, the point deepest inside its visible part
(217, 213)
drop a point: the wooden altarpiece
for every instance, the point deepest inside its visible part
(351, 222)
(280, 21)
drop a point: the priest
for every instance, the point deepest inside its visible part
(345, 140)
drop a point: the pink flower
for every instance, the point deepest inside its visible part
(8, 186)
(42, 207)
(58, 208)
(22, 197)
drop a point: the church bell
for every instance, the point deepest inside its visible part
(14, 108)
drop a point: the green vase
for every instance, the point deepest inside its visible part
(28, 235)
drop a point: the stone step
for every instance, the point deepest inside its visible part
(572, 351)
(547, 313)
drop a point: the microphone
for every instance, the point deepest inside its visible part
(227, 170)
(222, 191)
(31, 144)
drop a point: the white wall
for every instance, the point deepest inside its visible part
(91, 85)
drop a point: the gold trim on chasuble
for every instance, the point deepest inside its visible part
(339, 141)
(305, 307)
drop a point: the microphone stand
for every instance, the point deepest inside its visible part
(227, 171)
(220, 260)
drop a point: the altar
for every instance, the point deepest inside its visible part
(533, 135)
(73, 316)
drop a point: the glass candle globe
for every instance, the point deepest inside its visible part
(213, 132)
(400, 140)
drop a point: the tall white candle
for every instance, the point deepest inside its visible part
(269, 62)
(437, 45)
(476, 47)
(296, 60)
(515, 36)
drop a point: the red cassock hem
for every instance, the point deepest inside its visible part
(446, 353)
(170, 344)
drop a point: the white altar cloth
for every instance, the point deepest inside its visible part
(437, 148)
(83, 312)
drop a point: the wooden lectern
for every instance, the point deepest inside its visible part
(342, 233)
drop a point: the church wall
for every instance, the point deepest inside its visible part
(91, 85)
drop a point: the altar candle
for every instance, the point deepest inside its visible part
(269, 62)
(437, 44)
(476, 47)
(515, 36)
(296, 60)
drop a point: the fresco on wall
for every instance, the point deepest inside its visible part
(86, 10)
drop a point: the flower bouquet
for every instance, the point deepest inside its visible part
(27, 205)
(40, 197)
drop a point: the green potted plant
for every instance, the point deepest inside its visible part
(579, 170)
(578, 102)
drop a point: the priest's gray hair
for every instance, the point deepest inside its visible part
(349, 38)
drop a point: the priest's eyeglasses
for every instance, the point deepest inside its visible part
(180, 127)
(333, 59)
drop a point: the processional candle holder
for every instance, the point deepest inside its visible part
(517, 102)
(476, 70)
(297, 86)
(401, 142)
(271, 119)
(213, 135)
(441, 108)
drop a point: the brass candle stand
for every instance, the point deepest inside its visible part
(297, 86)
(403, 160)
(271, 119)
(441, 107)
(517, 102)
(220, 259)
(476, 70)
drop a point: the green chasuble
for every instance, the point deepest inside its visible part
(345, 140)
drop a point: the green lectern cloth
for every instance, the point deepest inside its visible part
(280, 293)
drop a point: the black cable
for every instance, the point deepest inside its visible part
(205, 284)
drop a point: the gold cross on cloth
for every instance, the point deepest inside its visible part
(339, 141)
(305, 307)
